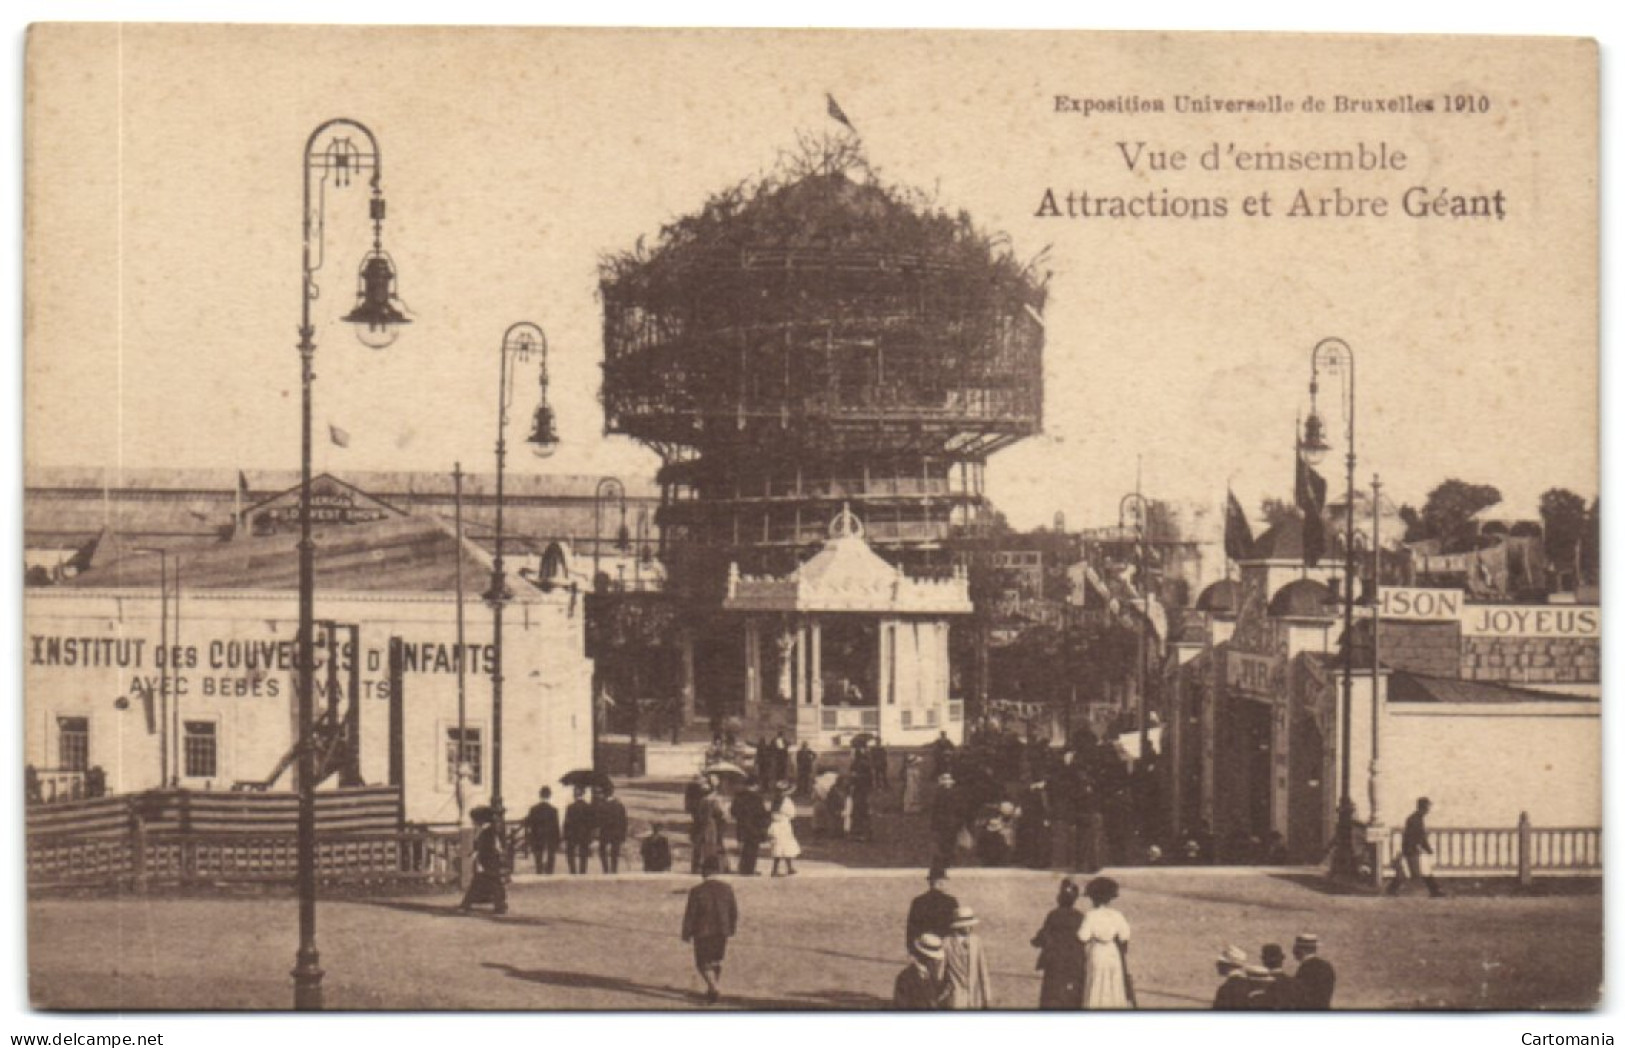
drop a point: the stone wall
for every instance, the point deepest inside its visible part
(1531, 659)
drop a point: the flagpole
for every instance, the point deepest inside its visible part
(460, 768)
(1374, 818)
(1334, 353)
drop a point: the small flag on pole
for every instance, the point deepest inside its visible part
(836, 113)
(339, 436)
(1310, 495)
(1238, 535)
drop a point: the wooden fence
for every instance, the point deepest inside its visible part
(1524, 851)
(360, 809)
(139, 859)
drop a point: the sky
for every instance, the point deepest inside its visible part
(165, 193)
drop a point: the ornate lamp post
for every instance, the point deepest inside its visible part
(335, 154)
(1334, 356)
(520, 343)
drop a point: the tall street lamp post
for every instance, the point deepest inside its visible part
(335, 154)
(1333, 356)
(520, 343)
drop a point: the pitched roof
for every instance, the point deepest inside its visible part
(415, 554)
(1405, 686)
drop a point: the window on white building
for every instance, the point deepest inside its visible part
(200, 750)
(471, 752)
(73, 743)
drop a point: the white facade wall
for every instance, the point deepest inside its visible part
(1479, 763)
(547, 728)
(1482, 764)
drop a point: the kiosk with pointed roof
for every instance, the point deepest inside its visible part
(858, 645)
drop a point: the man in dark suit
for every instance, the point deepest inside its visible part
(1315, 979)
(1275, 990)
(609, 820)
(578, 832)
(490, 865)
(542, 831)
(1412, 845)
(946, 820)
(806, 764)
(781, 759)
(656, 851)
(750, 823)
(932, 911)
(711, 918)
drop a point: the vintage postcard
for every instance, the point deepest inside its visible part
(609, 519)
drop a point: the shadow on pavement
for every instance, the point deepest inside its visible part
(587, 981)
(823, 999)
(1322, 885)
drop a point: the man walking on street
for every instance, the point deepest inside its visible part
(750, 824)
(1412, 846)
(542, 831)
(931, 911)
(920, 986)
(711, 918)
(1315, 979)
(1234, 991)
(609, 819)
(578, 832)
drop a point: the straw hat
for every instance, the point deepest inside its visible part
(965, 917)
(929, 946)
(1234, 956)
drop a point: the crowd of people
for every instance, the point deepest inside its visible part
(1083, 957)
(995, 801)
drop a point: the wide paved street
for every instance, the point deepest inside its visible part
(831, 937)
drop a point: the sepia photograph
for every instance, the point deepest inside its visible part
(825, 520)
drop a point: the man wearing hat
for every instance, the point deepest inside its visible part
(1273, 989)
(489, 865)
(1233, 995)
(920, 987)
(970, 983)
(578, 832)
(933, 910)
(711, 918)
(610, 822)
(1315, 979)
(542, 831)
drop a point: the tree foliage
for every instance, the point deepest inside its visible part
(1447, 513)
(1564, 516)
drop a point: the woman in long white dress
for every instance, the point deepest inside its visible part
(781, 831)
(1105, 934)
